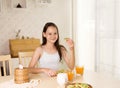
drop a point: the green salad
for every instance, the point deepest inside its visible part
(61, 71)
(78, 85)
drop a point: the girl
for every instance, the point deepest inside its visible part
(50, 53)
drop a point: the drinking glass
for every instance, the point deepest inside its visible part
(79, 70)
(70, 75)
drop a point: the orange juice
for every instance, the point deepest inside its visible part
(70, 75)
(79, 70)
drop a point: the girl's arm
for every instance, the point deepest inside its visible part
(34, 61)
(69, 58)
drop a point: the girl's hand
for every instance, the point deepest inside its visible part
(50, 72)
(70, 43)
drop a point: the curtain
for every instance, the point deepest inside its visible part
(108, 37)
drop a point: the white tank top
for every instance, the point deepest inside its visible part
(49, 60)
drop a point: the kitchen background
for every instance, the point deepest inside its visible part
(92, 24)
(31, 18)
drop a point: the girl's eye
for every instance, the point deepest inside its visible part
(55, 33)
(50, 34)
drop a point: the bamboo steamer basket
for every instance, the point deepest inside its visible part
(21, 75)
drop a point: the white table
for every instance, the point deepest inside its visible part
(97, 80)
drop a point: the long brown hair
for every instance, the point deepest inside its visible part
(57, 45)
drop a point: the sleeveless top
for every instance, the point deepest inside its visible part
(49, 60)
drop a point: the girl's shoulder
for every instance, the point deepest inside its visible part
(39, 49)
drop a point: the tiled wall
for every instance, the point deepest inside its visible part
(31, 21)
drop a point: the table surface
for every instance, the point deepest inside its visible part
(95, 79)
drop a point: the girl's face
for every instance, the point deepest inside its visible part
(51, 34)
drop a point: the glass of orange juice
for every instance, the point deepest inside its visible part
(79, 70)
(70, 75)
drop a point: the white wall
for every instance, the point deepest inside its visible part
(32, 19)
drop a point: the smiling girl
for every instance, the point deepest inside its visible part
(50, 53)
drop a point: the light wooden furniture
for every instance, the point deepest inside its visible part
(21, 75)
(22, 45)
(24, 58)
(5, 65)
